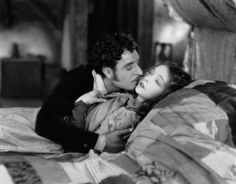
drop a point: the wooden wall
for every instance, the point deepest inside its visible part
(92, 19)
(145, 31)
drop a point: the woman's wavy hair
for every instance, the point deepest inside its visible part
(179, 79)
(108, 51)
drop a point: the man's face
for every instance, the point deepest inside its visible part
(127, 70)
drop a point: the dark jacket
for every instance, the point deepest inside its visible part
(51, 120)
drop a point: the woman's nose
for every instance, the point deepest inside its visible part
(145, 79)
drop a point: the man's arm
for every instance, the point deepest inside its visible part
(51, 122)
(79, 113)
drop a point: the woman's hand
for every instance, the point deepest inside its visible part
(116, 140)
(92, 97)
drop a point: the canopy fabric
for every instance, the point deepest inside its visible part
(211, 50)
(211, 55)
(217, 14)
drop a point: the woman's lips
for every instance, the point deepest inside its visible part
(141, 84)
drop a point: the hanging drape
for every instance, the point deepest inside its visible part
(211, 52)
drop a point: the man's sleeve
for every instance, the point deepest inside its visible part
(79, 114)
(51, 122)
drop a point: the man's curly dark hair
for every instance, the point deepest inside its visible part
(108, 51)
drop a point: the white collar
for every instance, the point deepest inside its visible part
(98, 83)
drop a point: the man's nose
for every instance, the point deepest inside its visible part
(139, 71)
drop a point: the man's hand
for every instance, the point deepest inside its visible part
(115, 141)
(92, 97)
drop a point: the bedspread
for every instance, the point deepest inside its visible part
(185, 138)
(17, 132)
(189, 133)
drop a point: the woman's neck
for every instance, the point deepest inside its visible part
(139, 99)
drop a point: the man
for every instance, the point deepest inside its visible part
(113, 67)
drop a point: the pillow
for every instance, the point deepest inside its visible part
(17, 132)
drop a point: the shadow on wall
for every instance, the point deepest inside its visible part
(32, 39)
(29, 64)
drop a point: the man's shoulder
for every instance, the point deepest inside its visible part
(82, 69)
(74, 83)
(79, 72)
(80, 75)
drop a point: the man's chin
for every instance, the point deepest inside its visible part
(128, 87)
(131, 88)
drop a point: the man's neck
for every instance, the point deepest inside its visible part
(110, 86)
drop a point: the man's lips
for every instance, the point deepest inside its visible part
(136, 80)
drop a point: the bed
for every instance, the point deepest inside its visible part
(188, 137)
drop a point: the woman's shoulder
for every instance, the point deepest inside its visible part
(114, 101)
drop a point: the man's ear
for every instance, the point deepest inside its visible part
(108, 72)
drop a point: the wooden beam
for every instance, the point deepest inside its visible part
(145, 32)
(8, 4)
(79, 31)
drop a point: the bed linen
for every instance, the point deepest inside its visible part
(15, 169)
(190, 133)
(17, 132)
(81, 169)
(28, 158)
(186, 138)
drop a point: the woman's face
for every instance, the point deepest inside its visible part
(153, 83)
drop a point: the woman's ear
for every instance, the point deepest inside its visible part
(108, 72)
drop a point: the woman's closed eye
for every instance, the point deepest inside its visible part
(157, 82)
(151, 72)
(160, 81)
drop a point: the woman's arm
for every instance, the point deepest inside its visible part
(81, 106)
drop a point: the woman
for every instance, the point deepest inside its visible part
(123, 110)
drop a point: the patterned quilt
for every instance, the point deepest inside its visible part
(190, 133)
(186, 138)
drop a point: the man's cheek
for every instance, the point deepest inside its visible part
(132, 85)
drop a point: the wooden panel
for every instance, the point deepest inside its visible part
(127, 16)
(78, 13)
(21, 78)
(145, 32)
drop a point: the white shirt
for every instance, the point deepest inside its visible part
(98, 84)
